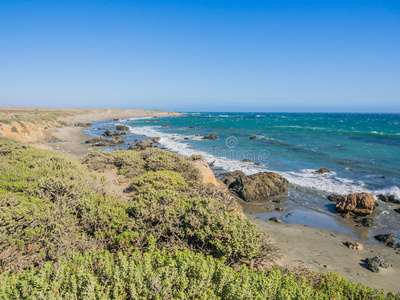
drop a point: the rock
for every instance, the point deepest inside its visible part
(142, 145)
(322, 171)
(360, 204)
(135, 140)
(95, 140)
(212, 136)
(199, 135)
(354, 246)
(116, 140)
(186, 138)
(206, 174)
(259, 186)
(374, 263)
(246, 160)
(122, 127)
(367, 222)
(191, 127)
(156, 139)
(334, 197)
(230, 177)
(253, 137)
(280, 209)
(166, 125)
(116, 120)
(383, 177)
(390, 199)
(387, 239)
(112, 133)
(80, 124)
(397, 210)
(258, 164)
(275, 219)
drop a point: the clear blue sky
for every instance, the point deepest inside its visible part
(202, 55)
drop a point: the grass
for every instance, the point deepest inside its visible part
(65, 233)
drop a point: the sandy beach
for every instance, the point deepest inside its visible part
(300, 246)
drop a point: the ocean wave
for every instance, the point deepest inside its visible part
(307, 178)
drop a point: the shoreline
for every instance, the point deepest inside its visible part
(300, 245)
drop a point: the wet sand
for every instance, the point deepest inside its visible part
(323, 250)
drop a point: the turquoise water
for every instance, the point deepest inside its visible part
(358, 149)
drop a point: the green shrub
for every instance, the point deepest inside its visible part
(161, 275)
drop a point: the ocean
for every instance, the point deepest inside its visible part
(362, 151)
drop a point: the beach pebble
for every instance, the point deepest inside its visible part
(275, 219)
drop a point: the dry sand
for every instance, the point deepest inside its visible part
(70, 139)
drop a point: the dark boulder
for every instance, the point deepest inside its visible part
(388, 239)
(246, 160)
(191, 127)
(122, 127)
(156, 139)
(259, 186)
(390, 199)
(254, 137)
(360, 204)
(322, 171)
(230, 177)
(374, 263)
(112, 133)
(212, 136)
(367, 222)
(334, 197)
(397, 210)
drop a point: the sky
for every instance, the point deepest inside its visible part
(193, 55)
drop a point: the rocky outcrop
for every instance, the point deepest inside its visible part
(122, 127)
(397, 210)
(102, 142)
(374, 263)
(230, 177)
(212, 136)
(360, 204)
(142, 145)
(156, 139)
(113, 133)
(256, 187)
(322, 171)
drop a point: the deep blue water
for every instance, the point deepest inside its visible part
(358, 149)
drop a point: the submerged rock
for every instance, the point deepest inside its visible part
(259, 186)
(390, 199)
(246, 160)
(374, 263)
(212, 136)
(254, 137)
(360, 204)
(122, 127)
(322, 171)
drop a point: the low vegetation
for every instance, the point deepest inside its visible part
(65, 233)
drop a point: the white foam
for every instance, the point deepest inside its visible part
(308, 178)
